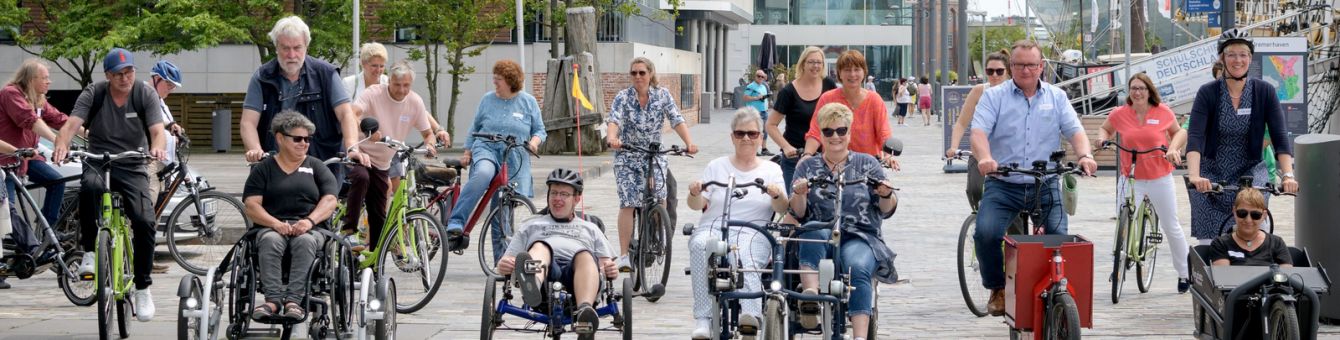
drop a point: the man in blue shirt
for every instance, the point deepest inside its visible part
(1020, 121)
(756, 96)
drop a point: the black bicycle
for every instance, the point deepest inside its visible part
(650, 248)
(47, 249)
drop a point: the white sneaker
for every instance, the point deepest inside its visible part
(701, 333)
(144, 305)
(86, 265)
(624, 266)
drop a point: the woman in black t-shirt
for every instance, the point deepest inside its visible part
(795, 103)
(1247, 244)
(290, 194)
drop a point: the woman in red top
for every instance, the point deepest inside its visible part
(1145, 123)
(870, 121)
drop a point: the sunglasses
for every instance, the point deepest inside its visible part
(995, 71)
(637, 73)
(842, 131)
(741, 134)
(298, 139)
(1256, 214)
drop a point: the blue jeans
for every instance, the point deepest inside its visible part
(788, 171)
(858, 260)
(42, 172)
(764, 114)
(481, 174)
(1001, 203)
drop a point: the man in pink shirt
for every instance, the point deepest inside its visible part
(397, 111)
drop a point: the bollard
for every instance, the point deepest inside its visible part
(1317, 159)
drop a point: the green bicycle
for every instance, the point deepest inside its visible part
(410, 243)
(1138, 236)
(115, 260)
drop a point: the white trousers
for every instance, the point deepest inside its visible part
(754, 253)
(1161, 195)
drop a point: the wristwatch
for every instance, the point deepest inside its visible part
(1288, 175)
(1087, 155)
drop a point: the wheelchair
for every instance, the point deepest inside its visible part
(553, 317)
(340, 302)
(1233, 302)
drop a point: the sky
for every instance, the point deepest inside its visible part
(996, 8)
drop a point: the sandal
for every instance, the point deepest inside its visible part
(293, 311)
(809, 311)
(264, 311)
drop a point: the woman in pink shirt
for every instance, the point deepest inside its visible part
(1145, 123)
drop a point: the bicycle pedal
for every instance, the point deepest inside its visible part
(1154, 238)
(532, 267)
(583, 328)
(86, 277)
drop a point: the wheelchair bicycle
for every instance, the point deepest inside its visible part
(1263, 302)
(553, 317)
(339, 301)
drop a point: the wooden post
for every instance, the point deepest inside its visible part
(559, 109)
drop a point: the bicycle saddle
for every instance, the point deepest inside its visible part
(438, 175)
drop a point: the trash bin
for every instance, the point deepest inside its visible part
(1314, 209)
(222, 120)
(705, 107)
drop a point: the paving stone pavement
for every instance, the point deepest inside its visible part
(924, 233)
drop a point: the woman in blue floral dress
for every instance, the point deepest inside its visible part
(636, 117)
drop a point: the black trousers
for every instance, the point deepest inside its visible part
(133, 184)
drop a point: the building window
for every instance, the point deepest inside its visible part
(406, 34)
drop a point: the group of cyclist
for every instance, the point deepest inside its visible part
(298, 112)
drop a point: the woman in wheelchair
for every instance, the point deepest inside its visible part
(290, 194)
(563, 248)
(1247, 244)
(754, 250)
(863, 254)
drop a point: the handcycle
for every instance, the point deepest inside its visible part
(50, 249)
(336, 305)
(553, 316)
(1263, 302)
(204, 222)
(502, 202)
(975, 295)
(114, 271)
(1138, 234)
(1048, 278)
(649, 250)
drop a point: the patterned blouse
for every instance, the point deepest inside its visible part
(859, 201)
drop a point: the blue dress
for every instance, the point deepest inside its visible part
(1208, 212)
(640, 126)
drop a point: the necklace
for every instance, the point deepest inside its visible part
(1249, 241)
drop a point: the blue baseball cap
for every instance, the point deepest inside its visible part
(117, 59)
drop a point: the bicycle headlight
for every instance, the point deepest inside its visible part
(775, 285)
(1280, 278)
(375, 304)
(191, 303)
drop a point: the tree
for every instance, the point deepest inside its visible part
(556, 19)
(329, 20)
(77, 34)
(997, 38)
(450, 31)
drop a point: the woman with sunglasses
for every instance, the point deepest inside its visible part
(290, 193)
(753, 249)
(1247, 244)
(1145, 123)
(796, 104)
(870, 119)
(636, 117)
(1229, 120)
(997, 72)
(864, 255)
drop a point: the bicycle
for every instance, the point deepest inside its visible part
(50, 252)
(975, 295)
(411, 240)
(650, 247)
(1135, 221)
(114, 256)
(212, 217)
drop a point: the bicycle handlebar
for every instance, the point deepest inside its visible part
(400, 146)
(1217, 188)
(1039, 170)
(108, 157)
(674, 150)
(1109, 145)
(508, 140)
(959, 155)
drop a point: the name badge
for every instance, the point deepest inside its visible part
(517, 115)
(1046, 106)
(1152, 122)
(1244, 112)
(1236, 254)
(404, 118)
(130, 115)
(305, 169)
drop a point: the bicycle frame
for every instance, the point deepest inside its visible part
(399, 207)
(115, 224)
(1140, 212)
(26, 198)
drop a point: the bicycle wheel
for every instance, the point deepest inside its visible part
(1283, 321)
(775, 323)
(103, 277)
(652, 258)
(505, 216)
(199, 242)
(439, 210)
(412, 254)
(975, 295)
(1062, 321)
(1148, 249)
(80, 292)
(1119, 249)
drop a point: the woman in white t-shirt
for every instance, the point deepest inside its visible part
(753, 249)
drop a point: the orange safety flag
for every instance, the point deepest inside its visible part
(577, 89)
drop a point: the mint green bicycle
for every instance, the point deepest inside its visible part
(1138, 236)
(115, 260)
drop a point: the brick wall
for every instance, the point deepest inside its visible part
(612, 83)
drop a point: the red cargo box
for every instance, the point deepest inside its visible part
(1027, 258)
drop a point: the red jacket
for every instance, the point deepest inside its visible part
(17, 117)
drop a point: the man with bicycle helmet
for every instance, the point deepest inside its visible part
(570, 249)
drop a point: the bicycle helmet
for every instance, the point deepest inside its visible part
(166, 70)
(1235, 36)
(565, 176)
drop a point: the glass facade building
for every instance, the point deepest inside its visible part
(886, 62)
